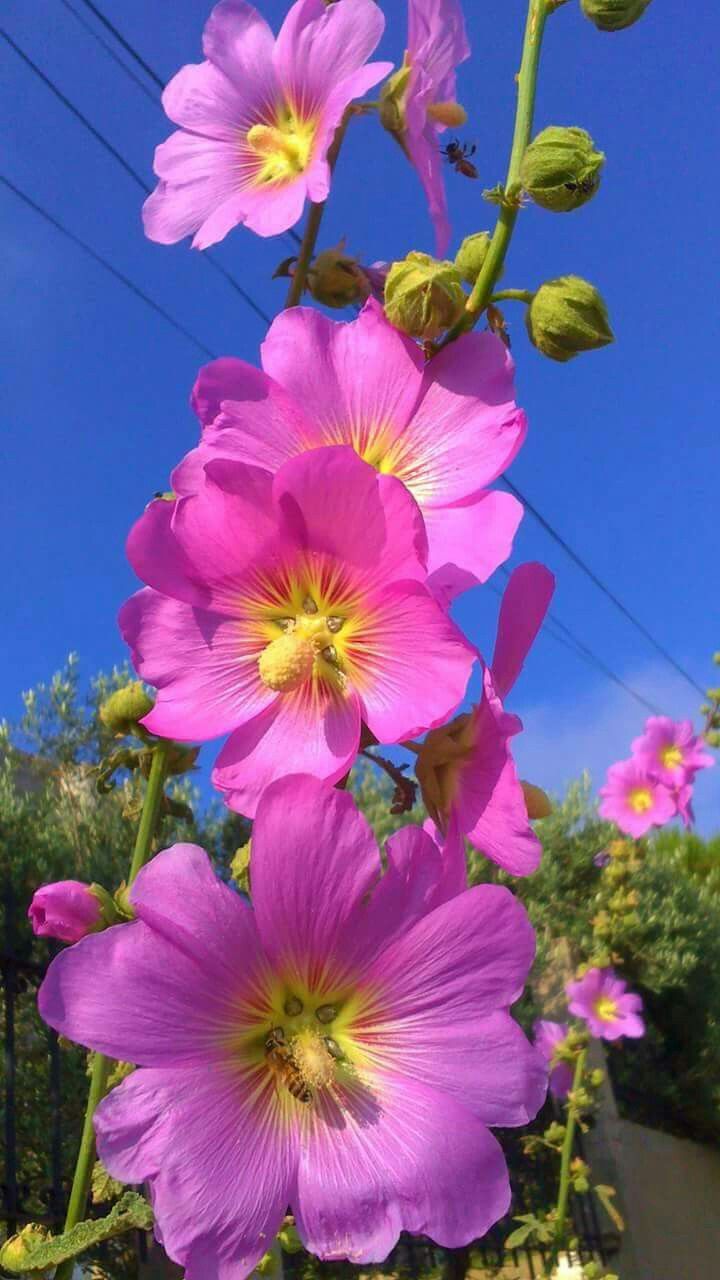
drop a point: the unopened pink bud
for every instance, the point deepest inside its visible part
(66, 910)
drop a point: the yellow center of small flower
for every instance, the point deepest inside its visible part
(606, 1009)
(449, 113)
(640, 799)
(671, 757)
(284, 148)
(307, 646)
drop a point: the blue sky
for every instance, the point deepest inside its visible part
(623, 454)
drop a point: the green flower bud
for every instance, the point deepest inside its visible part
(122, 710)
(288, 1238)
(567, 316)
(268, 1264)
(392, 99)
(613, 15)
(471, 255)
(336, 280)
(423, 297)
(240, 867)
(109, 913)
(561, 169)
(19, 1248)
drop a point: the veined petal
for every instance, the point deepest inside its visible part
(319, 44)
(202, 100)
(137, 994)
(220, 1163)
(239, 42)
(415, 663)
(309, 730)
(403, 1157)
(203, 666)
(321, 362)
(428, 164)
(436, 36)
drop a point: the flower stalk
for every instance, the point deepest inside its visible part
(314, 220)
(538, 11)
(565, 1159)
(102, 1066)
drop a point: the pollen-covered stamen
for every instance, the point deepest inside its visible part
(313, 1059)
(449, 113)
(284, 148)
(287, 662)
(304, 649)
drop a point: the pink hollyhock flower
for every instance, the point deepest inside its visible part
(604, 1002)
(446, 429)
(290, 610)
(257, 118)
(465, 769)
(340, 1047)
(634, 799)
(671, 750)
(66, 910)
(546, 1037)
(418, 102)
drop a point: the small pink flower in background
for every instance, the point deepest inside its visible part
(671, 750)
(466, 770)
(66, 910)
(257, 118)
(339, 1048)
(418, 103)
(546, 1037)
(604, 1002)
(288, 611)
(634, 799)
(447, 429)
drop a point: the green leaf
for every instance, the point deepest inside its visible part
(605, 1196)
(103, 1186)
(131, 1212)
(518, 1237)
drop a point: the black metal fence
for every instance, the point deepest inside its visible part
(43, 1098)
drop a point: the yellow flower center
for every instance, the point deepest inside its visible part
(606, 1009)
(450, 113)
(308, 646)
(640, 799)
(313, 1059)
(284, 148)
(671, 757)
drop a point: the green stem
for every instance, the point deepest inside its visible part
(513, 295)
(315, 217)
(565, 1158)
(102, 1066)
(538, 11)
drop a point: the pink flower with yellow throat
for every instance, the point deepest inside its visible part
(257, 118)
(465, 769)
(672, 750)
(602, 999)
(635, 799)
(288, 611)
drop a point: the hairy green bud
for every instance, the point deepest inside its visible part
(423, 297)
(561, 169)
(471, 255)
(336, 280)
(567, 316)
(122, 710)
(613, 15)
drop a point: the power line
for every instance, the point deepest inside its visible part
(125, 165)
(554, 627)
(87, 26)
(602, 586)
(103, 262)
(137, 57)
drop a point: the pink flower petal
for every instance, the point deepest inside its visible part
(400, 1157)
(203, 666)
(314, 860)
(416, 666)
(525, 602)
(469, 541)
(319, 44)
(220, 1165)
(239, 42)
(129, 990)
(306, 731)
(202, 100)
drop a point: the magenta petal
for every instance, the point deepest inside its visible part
(469, 541)
(299, 733)
(226, 379)
(238, 41)
(524, 604)
(319, 44)
(139, 995)
(203, 666)
(490, 804)
(201, 99)
(416, 674)
(314, 858)
(417, 879)
(220, 1166)
(400, 1157)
